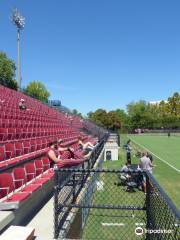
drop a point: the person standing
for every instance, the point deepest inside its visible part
(128, 151)
(145, 164)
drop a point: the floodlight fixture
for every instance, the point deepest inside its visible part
(19, 21)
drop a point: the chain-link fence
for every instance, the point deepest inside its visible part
(163, 219)
(112, 205)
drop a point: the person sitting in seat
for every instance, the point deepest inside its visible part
(2, 101)
(85, 147)
(65, 151)
(22, 104)
(56, 159)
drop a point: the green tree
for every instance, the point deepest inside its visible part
(122, 115)
(114, 121)
(75, 112)
(37, 90)
(89, 114)
(141, 114)
(110, 120)
(174, 104)
(99, 117)
(7, 72)
(136, 112)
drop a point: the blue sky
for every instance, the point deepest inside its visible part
(97, 53)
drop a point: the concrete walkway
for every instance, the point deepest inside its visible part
(43, 222)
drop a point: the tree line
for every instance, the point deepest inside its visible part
(141, 115)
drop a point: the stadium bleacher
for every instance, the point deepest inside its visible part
(24, 139)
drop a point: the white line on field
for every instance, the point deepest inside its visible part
(155, 155)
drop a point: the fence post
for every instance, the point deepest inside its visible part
(56, 232)
(74, 187)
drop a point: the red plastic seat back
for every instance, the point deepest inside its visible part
(30, 171)
(33, 145)
(9, 150)
(3, 134)
(2, 154)
(26, 147)
(39, 144)
(46, 163)
(38, 166)
(6, 184)
(19, 174)
(18, 148)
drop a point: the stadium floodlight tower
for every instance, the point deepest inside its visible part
(19, 21)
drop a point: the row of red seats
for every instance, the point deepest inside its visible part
(27, 115)
(14, 108)
(25, 119)
(5, 123)
(22, 133)
(24, 116)
(14, 153)
(25, 180)
(11, 99)
(12, 150)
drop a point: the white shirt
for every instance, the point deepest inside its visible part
(146, 164)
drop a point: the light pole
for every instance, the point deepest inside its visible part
(19, 21)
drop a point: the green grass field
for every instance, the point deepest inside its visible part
(115, 224)
(167, 151)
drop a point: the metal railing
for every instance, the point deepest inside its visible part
(66, 180)
(162, 215)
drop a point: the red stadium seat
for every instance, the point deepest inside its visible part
(44, 143)
(20, 179)
(30, 171)
(7, 187)
(11, 133)
(2, 153)
(39, 170)
(33, 145)
(38, 166)
(3, 134)
(18, 149)
(39, 144)
(46, 163)
(9, 150)
(31, 174)
(18, 133)
(26, 147)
